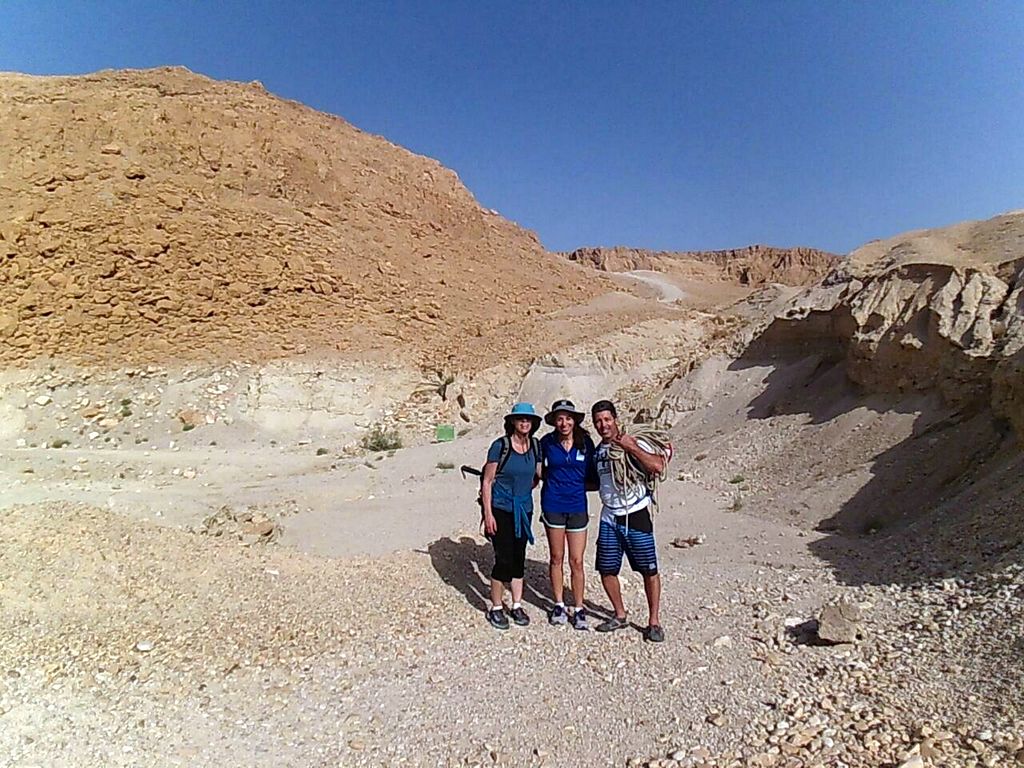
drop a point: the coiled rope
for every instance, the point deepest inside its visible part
(627, 471)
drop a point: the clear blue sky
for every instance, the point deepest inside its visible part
(677, 125)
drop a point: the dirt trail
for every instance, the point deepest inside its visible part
(668, 291)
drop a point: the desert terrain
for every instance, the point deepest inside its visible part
(230, 328)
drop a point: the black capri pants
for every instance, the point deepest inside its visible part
(509, 552)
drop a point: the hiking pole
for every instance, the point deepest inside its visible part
(471, 470)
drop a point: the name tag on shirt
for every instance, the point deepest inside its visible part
(581, 456)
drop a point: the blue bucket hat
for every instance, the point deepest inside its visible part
(520, 410)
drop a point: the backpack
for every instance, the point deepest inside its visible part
(506, 454)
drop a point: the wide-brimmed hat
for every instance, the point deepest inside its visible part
(519, 410)
(566, 406)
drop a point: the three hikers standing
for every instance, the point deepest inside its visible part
(570, 465)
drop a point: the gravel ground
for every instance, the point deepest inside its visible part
(126, 643)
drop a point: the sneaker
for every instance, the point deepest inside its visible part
(612, 624)
(579, 619)
(654, 634)
(519, 616)
(557, 615)
(496, 618)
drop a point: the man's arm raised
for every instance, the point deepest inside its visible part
(652, 463)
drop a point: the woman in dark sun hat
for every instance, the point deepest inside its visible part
(511, 473)
(567, 451)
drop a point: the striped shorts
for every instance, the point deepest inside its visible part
(616, 538)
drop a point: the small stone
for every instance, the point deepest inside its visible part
(144, 646)
(43, 400)
(914, 761)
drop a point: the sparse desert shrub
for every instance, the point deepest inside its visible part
(738, 479)
(60, 442)
(445, 465)
(321, 451)
(380, 438)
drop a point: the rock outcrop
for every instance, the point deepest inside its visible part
(939, 309)
(754, 265)
(160, 214)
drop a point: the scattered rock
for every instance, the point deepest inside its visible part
(840, 622)
(686, 543)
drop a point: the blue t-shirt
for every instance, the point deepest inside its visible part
(516, 479)
(565, 475)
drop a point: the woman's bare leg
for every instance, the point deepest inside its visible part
(577, 544)
(556, 545)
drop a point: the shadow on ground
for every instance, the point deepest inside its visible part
(946, 501)
(465, 565)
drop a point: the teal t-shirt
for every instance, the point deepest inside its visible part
(515, 480)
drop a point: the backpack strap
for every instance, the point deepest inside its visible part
(506, 453)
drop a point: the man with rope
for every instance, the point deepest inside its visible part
(628, 468)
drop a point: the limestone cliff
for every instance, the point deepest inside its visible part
(753, 265)
(940, 309)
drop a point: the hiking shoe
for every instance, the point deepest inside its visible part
(579, 619)
(519, 616)
(557, 615)
(496, 618)
(612, 624)
(654, 634)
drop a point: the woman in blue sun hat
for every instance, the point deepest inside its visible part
(511, 473)
(568, 472)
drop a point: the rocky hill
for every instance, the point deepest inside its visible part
(754, 265)
(148, 214)
(938, 309)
